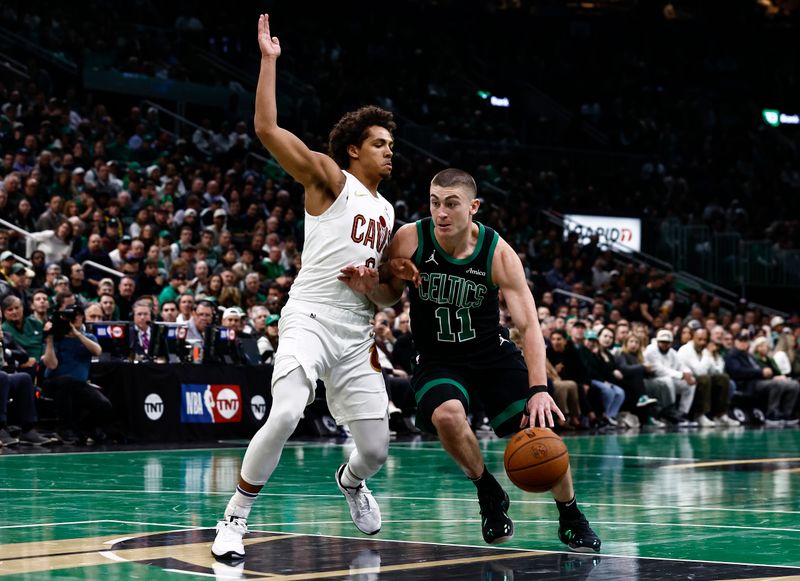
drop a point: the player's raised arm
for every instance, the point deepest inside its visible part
(508, 274)
(316, 171)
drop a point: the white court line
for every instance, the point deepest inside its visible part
(252, 529)
(116, 452)
(541, 521)
(55, 524)
(155, 524)
(214, 575)
(489, 547)
(432, 445)
(330, 522)
(500, 549)
(407, 498)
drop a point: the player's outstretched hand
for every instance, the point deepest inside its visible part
(270, 46)
(540, 412)
(405, 269)
(361, 279)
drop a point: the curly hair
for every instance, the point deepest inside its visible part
(352, 130)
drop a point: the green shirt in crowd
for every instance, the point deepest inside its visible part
(31, 338)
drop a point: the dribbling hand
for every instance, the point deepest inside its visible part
(361, 279)
(269, 45)
(540, 412)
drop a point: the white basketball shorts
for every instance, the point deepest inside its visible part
(336, 346)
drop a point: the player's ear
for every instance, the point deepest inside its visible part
(474, 205)
(352, 151)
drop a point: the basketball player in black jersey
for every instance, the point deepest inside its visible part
(458, 267)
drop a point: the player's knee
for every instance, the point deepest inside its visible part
(376, 454)
(373, 451)
(286, 421)
(449, 416)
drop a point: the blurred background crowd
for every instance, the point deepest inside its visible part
(130, 172)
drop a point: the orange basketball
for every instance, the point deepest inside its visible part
(536, 459)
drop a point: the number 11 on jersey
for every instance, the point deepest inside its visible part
(446, 334)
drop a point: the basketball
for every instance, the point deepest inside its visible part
(536, 459)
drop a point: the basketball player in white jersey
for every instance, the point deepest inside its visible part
(325, 325)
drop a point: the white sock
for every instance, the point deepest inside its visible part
(240, 504)
(348, 479)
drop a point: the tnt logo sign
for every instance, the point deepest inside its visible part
(153, 406)
(259, 407)
(210, 404)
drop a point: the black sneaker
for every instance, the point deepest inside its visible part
(34, 438)
(7, 439)
(495, 524)
(578, 535)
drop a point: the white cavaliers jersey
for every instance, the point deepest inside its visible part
(355, 230)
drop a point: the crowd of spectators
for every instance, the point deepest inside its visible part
(204, 233)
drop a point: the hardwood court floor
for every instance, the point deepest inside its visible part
(717, 504)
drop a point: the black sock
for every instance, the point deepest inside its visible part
(568, 510)
(486, 483)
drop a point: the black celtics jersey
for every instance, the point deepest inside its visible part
(455, 310)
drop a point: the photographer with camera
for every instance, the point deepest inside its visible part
(68, 355)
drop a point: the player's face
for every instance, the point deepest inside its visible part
(375, 153)
(452, 210)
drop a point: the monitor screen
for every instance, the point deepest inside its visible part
(224, 347)
(174, 340)
(113, 338)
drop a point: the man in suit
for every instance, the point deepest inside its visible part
(146, 342)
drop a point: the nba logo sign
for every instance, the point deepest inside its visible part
(210, 404)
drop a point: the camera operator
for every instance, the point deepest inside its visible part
(67, 355)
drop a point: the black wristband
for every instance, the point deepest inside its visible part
(538, 389)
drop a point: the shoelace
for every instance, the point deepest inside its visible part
(361, 499)
(359, 495)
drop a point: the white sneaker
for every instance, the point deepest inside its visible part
(225, 571)
(705, 422)
(228, 543)
(726, 420)
(363, 508)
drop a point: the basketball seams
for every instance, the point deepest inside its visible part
(548, 461)
(536, 459)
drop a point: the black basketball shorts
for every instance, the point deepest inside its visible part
(502, 389)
